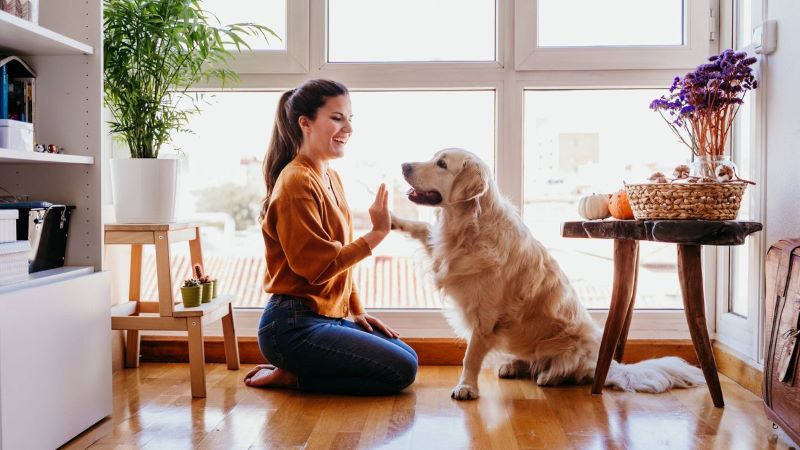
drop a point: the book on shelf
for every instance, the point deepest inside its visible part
(3, 92)
(17, 89)
(21, 95)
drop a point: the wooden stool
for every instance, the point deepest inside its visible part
(170, 316)
(690, 235)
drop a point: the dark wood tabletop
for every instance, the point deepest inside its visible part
(698, 232)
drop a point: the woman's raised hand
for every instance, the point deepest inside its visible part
(379, 211)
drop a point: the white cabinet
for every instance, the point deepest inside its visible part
(55, 338)
(55, 360)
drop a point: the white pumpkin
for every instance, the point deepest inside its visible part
(594, 206)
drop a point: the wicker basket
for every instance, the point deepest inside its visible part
(708, 201)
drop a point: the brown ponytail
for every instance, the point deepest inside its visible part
(286, 133)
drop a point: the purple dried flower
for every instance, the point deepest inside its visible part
(701, 106)
(675, 84)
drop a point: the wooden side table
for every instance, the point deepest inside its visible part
(690, 236)
(165, 314)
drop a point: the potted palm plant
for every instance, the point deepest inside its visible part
(154, 51)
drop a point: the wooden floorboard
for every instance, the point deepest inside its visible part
(153, 409)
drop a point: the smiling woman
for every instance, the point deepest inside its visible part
(305, 330)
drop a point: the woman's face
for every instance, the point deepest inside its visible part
(326, 136)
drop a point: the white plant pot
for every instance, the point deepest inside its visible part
(144, 189)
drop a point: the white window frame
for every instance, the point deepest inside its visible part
(744, 335)
(528, 55)
(294, 59)
(509, 85)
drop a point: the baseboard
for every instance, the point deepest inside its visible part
(431, 351)
(737, 370)
(450, 351)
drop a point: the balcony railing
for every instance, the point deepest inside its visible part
(382, 281)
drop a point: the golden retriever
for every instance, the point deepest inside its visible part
(509, 293)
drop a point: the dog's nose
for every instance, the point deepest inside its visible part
(407, 168)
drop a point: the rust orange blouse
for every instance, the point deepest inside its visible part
(308, 234)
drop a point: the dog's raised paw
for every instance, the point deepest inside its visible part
(464, 392)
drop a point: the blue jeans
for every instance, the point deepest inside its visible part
(333, 355)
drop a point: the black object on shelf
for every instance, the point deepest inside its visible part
(46, 226)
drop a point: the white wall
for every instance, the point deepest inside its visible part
(782, 92)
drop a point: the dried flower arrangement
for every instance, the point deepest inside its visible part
(702, 105)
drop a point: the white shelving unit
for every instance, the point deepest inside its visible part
(19, 157)
(55, 327)
(21, 37)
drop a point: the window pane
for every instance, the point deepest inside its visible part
(589, 141)
(587, 23)
(271, 14)
(411, 30)
(221, 188)
(740, 267)
(395, 127)
(744, 25)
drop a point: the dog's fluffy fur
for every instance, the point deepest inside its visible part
(509, 293)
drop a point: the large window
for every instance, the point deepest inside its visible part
(558, 105)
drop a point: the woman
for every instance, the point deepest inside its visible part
(310, 254)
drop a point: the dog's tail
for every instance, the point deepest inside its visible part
(654, 375)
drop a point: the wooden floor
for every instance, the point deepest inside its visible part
(153, 409)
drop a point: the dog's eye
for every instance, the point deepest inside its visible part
(441, 164)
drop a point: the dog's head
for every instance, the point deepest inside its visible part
(452, 176)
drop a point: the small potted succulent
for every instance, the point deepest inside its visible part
(208, 283)
(191, 292)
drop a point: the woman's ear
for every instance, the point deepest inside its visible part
(470, 183)
(305, 124)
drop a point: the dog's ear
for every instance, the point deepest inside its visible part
(470, 183)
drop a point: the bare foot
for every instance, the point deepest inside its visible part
(267, 375)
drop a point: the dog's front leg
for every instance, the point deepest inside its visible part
(467, 387)
(416, 229)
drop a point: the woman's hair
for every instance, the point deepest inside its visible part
(286, 133)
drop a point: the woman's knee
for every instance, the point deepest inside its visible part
(405, 368)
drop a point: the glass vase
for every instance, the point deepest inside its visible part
(705, 167)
